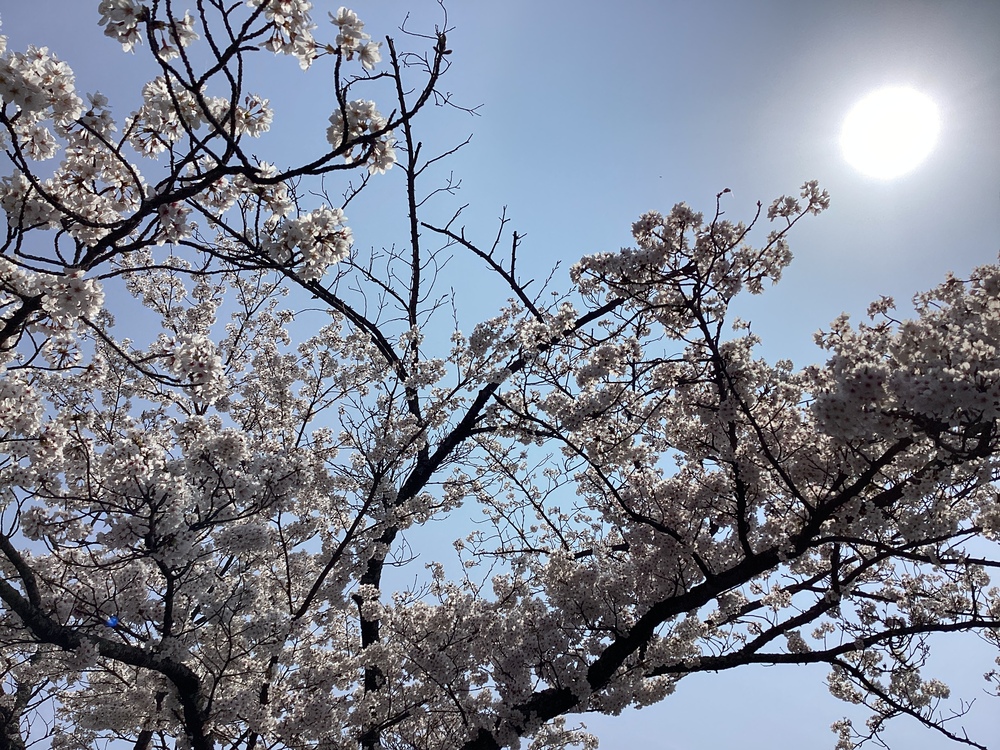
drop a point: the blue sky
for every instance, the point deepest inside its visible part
(593, 113)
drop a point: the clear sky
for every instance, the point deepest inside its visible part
(593, 113)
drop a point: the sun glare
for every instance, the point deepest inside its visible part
(890, 132)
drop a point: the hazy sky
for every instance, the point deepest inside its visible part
(596, 112)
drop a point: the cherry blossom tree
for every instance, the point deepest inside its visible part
(202, 533)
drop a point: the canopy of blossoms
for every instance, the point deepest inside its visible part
(201, 532)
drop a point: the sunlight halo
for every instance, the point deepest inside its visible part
(890, 132)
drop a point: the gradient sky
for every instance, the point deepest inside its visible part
(593, 113)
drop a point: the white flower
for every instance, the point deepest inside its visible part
(370, 55)
(383, 155)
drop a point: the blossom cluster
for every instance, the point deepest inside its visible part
(291, 28)
(65, 298)
(313, 241)
(20, 406)
(680, 256)
(938, 372)
(121, 19)
(195, 360)
(169, 112)
(363, 119)
(41, 86)
(275, 197)
(174, 226)
(91, 188)
(352, 39)
(69, 297)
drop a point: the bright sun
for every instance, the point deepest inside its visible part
(889, 132)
